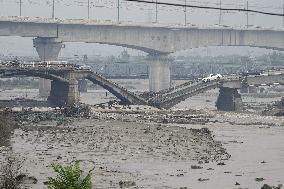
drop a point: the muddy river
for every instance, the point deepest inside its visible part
(240, 150)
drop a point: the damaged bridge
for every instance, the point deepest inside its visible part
(64, 85)
(65, 77)
(229, 98)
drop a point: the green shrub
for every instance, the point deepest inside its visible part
(70, 177)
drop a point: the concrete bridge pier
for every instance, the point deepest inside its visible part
(229, 99)
(48, 49)
(73, 96)
(63, 94)
(58, 94)
(83, 86)
(159, 72)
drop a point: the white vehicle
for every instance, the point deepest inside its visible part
(212, 77)
(85, 67)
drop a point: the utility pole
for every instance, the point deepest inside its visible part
(20, 7)
(156, 11)
(185, 22)
(53, 9)
(118, 11)
(88, 9)
(220, 14)
(247, 14)
(283, 16)
(149, 15)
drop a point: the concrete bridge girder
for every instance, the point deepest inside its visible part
(148, 38)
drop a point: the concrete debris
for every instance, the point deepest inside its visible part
(276, 109)
(160, 117)
(83, 111)
(266, 186)
(203, 179)
(24, 179)
(259, 179)
(59, 115)
(221, 163)
(196, 167)
(126, 184)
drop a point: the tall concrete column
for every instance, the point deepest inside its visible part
(48, 49)
(159, 72)
(63, 94)
(229, 100)
(83, 86)
(59, 93)
(73, 93)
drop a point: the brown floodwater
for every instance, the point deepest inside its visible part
(255, 143)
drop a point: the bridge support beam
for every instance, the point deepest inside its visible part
(159, 73)
(48, 49)
(229, 100)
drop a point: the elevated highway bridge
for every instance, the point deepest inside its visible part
(155, 39)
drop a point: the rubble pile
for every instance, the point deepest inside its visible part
(179, 117)
(22, 102)
(277, 109)
(32, 117)
(77, 111)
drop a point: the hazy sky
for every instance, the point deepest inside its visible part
(134, 12)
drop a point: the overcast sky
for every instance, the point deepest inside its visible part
(135, 12)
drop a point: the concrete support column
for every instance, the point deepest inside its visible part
(48, 49)
(73, 93)
(244, 89)
(59, 93)
(159, 72)
(63, 94)
(83, 86)
(229, 100)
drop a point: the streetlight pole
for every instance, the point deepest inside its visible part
(247, 14)
(20, 7)
(118, 11)
(88, 9)
(53, 9)
(220, 14)
(156, 11)
(185, 22)
(283, 16)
